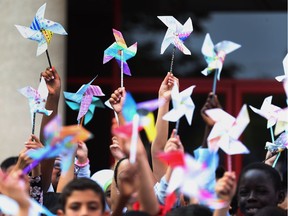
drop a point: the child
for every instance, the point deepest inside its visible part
(82, 196)
(259, 186)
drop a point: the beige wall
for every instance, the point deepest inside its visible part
(20, 67)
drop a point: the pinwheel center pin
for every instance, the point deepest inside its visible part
(221, 55)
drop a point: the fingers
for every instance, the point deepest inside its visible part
(117, 95)
(33, 142)
(48, 74)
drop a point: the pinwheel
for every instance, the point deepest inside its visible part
(270, 112)
(59, 140)
(215, 55)
(41, 30)
(9, 206)
(182, 105)
(189, 177)
(282, 121)
(85, 101)
(138, 116)
(280, 144)
(37, 100)
(144, 110)
(226, 132)
(121, 53)
(176, 34)
(285, 66)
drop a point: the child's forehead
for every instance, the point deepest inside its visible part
(84, 195)
(256, 175)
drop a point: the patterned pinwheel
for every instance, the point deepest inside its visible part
(176, 34)
(41, 30)
(37, 100)
(121, 53)
(189, 177)
(85, 101)
(182, 105)
(280, 143)
(215, 55)
(226, 132)
(59, 140)
(285, 66)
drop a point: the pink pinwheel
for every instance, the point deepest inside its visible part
(121, 53)
(176, 33)
(227, 130)
(268, 111)
(182, 105)
(189, 176)
(37, 99)
(285, 66)
(85, 101)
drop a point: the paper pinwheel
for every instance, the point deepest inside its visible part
(182, 105)
(285, 66)
(85, 101)
(282, 121)
(121, 53)
(227, 130)
(215, 55)
(144, 110)
(268, 111)
(176, 33)
(41, 30)
(279, 145)
(37, 100)
(59, 140)
(9, 206)
(188, 176)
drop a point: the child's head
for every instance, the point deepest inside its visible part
(82, 196)
(191, 210)
(259, 186)
(8, 164)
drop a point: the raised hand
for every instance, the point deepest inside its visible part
(116, 149)
(211, 102)
(53, 81)
(167, 85)
(117, 99)
(174, 143)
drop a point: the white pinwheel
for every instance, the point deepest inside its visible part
(182, 105)
(176, 33)
(227, 130)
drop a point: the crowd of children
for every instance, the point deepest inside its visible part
(136, 187)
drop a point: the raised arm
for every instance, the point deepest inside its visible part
(225, 190)
(211, 102)
(117, 100)
(162, 126)
(53, 82)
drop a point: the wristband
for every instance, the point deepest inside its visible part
(82, 164)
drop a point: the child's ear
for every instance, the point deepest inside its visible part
(281, 196)
(60, 212)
